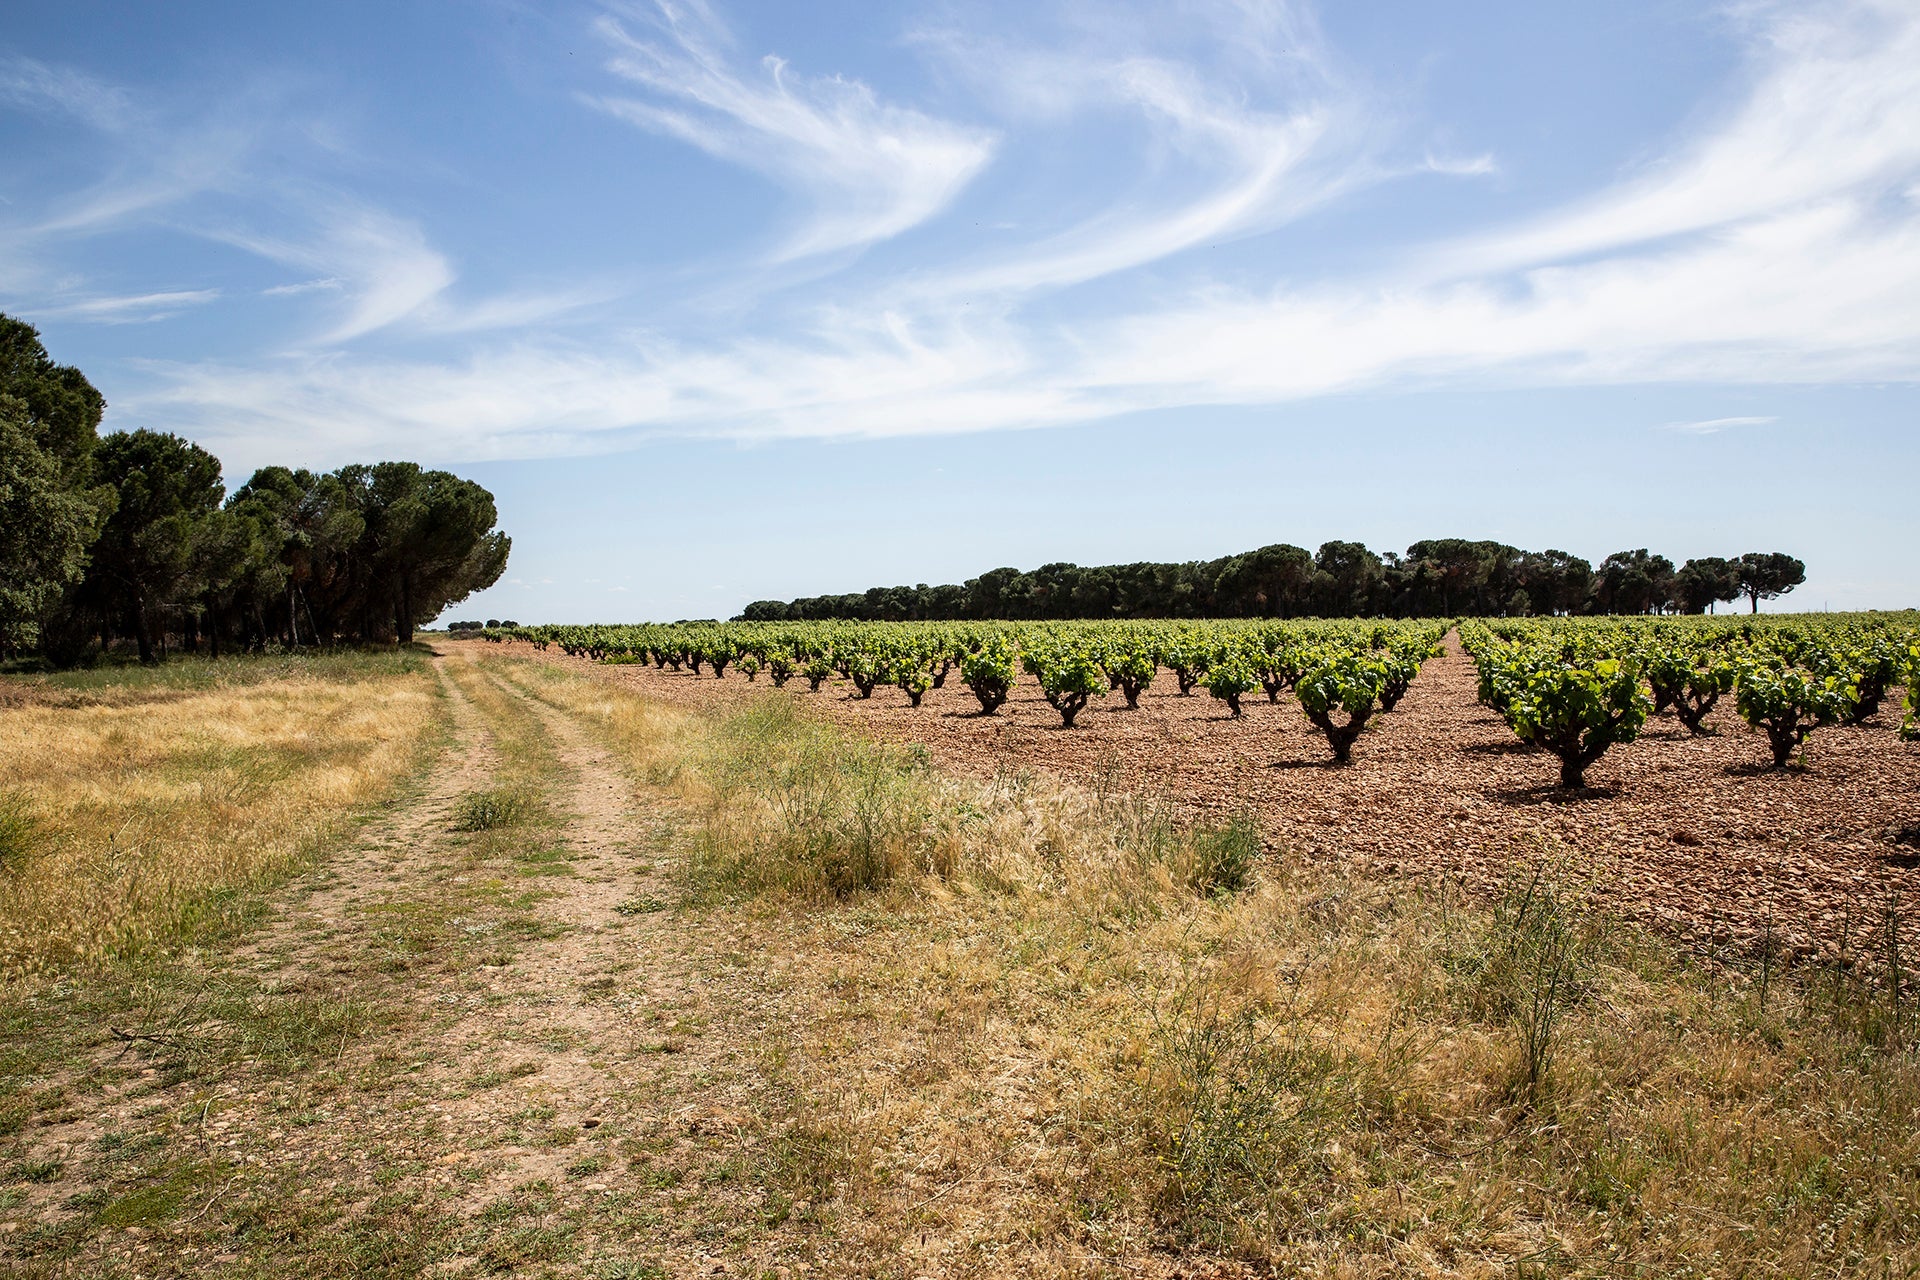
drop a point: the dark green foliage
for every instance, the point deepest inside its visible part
(46, 526)
(1702, 583)
(1438, 578)
(167, 489)
(62, 408)
(1633, 582)
(126, 537)
(1768, 575)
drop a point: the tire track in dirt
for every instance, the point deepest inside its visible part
(386, 850)
(658, 1069)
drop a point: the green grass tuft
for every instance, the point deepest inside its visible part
(492, 809)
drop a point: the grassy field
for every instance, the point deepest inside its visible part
(620, 989)
(138, 802)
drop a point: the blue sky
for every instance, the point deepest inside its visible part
(731, 300)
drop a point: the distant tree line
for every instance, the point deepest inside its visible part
(131, 538)
(1444, 577)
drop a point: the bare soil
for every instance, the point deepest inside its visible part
(1695, 835)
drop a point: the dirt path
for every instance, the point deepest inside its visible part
(442, 1052)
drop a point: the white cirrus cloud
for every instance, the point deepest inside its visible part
(37, 85)
(1780, 242)
(382, 268)
(869, 169)
(128, 308)
(1713, 426)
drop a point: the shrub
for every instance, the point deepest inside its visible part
(1402, 663)
(1229, 680)
(1068, 678)
(988, 671)
(1910, 727)
(865, 668)
(1347, 684)
(1789, 704)
(1131, 668)
(1187, 657)
(779, 668)
(914, 681)
(1872, 667)
(1223, 857)
(1276, 664)
(1239, 1100)
(1681, 682)
(816, 671)
(1574, 708)
(1535, 961)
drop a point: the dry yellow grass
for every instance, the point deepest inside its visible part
(1021, 1041)
(136, 809)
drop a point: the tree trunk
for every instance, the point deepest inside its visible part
(142, 633)
(403, 619)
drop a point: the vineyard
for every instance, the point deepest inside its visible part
(1739, 780)
(1571, 687)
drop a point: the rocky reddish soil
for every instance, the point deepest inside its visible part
(1694, 835)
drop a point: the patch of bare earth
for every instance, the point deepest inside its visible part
(1690, 834)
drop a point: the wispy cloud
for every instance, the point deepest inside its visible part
(302, 286)
(381, 267)
(1267, 133)
(869, 169)
(1461, 166)
(1833, 108)
(1779, 242)
(37, 85)
(1712, 426)
(129, 308)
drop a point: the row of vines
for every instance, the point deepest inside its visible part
(1576, 687)
(1343, 673)
(1571, 687)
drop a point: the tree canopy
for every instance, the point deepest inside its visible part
(131, 537)
(1438, 577)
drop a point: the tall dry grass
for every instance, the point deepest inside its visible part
(1035, 1028)
(138, 804)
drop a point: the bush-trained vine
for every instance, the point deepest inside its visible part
(1910, 727)
(1131, 667)
(1068, 675)
(1788, 704)
(1567, 698)
(1230, 679)
(914, 680)
(1690, 683)
(989, 672)
(1338, 692)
